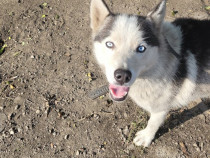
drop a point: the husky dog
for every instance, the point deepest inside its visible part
(160, 65)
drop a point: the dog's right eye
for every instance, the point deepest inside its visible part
(110, 44)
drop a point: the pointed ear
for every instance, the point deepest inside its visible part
(156, 16)
(98, 12)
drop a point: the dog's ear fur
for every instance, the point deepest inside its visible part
(156, 16)
(98, 12)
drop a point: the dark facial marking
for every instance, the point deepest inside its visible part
(148, 32)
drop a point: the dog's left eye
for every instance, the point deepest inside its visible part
(141, 49)
(110, 44)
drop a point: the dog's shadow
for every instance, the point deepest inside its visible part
(177, 118)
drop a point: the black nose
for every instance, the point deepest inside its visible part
(122, 76)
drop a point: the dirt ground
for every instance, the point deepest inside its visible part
(47, 71)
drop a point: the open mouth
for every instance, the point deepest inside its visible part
(118, 93)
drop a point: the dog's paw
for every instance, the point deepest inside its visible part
(143, 138)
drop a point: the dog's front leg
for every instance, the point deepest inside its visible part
(145, 137)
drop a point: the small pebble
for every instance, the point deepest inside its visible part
(77, 153)
(54, 133)
(26, 128)
(11, 131)
(196, 146)
(126, 131)
(19, 129)
(66, 136)
(11, 116)
(51, 145)
(20, 139)
(17, 107)
(201, 146)
(51, 130)
(96, 116)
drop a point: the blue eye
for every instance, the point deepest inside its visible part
(110, 44)
(141, 49)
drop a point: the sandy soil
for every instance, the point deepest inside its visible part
(44, 108)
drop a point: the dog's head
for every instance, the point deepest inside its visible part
(125, 46)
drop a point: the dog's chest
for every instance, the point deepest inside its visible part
(151, 95)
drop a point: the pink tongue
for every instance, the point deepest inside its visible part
(118, 91)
